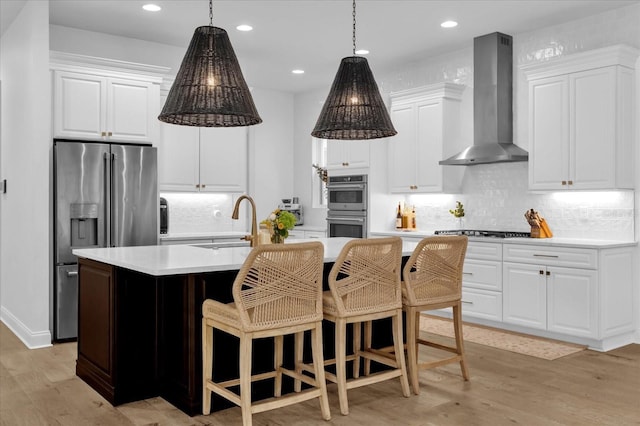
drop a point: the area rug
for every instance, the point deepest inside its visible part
(508, 341)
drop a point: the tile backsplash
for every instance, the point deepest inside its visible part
(202, 213)
(496, 196)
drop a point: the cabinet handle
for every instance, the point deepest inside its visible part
(552, 256)
(109, 134)
(541, 272)
(466, 302)
(203, 185)
(564, 182)
(345, 164)
(467, 273)
(570, 182)
(197, 185)
(548, 273)
(103, 133)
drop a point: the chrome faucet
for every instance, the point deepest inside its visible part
(253, 238)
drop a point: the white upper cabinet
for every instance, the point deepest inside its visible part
(581, 120)
(89, 106)
(427, 120)
(345, 155)
(192, 159)
(104, 100)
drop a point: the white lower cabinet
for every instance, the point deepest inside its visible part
(482, 281)
(578, 292)
(301, 233)
(561, 300)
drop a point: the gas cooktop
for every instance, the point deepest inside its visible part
(488, 234)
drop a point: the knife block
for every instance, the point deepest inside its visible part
(536, 232)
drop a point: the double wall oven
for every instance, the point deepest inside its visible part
(347, 202)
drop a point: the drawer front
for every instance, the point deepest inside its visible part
(551, 256)
(484, 274)
(484, 251)
(482, 304)
(186, 241)
(315, 234)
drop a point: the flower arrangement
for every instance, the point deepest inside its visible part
(458, 211)
(321, 171)
(279, 223)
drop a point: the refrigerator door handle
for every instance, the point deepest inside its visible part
(72, 273)
(107, 198)
(113, 209)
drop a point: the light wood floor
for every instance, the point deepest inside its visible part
(38, 387)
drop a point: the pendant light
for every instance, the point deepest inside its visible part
(354, 109)
(209, 89)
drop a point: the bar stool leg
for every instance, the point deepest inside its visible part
(367, 345)
(399, 351)
(457, 323)
(207, 365)
(318, 364)
(277, 364)
(412, 348)
(245, 378)
(298, 352)
(341, 367)
(357, 336)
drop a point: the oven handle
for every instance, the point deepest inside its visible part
(348, 186)
(346, 219)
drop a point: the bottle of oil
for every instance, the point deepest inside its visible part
(413, 218)
(399, 217)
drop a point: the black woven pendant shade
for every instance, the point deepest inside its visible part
(354, 109)
(209, 90)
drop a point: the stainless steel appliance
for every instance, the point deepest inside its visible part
(164, 216)
(293, 208)
(106, 195)
(492, 105)
(484, 234)
(347, 193)
(347, 201)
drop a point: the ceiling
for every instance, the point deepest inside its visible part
(315, 34)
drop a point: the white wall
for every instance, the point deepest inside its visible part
(26, 160)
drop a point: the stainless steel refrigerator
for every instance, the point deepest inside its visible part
(105, 195)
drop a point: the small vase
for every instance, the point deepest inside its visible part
(460, 223)
(277, 238)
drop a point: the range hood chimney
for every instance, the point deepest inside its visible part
(492, 105)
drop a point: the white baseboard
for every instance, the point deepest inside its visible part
(31, 339)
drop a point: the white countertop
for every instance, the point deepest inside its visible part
(557, 242)
(186, 259)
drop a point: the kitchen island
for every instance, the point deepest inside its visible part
(139, 320)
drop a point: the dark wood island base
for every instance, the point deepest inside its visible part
(139, 336)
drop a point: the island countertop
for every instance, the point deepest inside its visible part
(187, 259)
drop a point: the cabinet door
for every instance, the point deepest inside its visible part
(571, 301)
(131, 110)
(402, 155)
(223, 159)
(347, 154)
(429, 146)
(524, 295)
(80, 101)
(593, 122)
(178, 158)
(549, 133)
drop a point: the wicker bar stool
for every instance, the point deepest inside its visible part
(278, 291)
(364, 286)
(432, 279)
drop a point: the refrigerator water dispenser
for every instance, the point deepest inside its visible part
(84, 225)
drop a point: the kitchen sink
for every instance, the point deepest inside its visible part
(220, 245)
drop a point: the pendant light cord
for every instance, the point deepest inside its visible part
(354, 27)
(211, 13)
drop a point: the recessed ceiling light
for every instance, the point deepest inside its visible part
(151, 7)
(297, 71)
(362, 52)
(244, 27)
(449, 24)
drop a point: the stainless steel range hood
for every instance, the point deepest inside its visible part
(492, 105)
